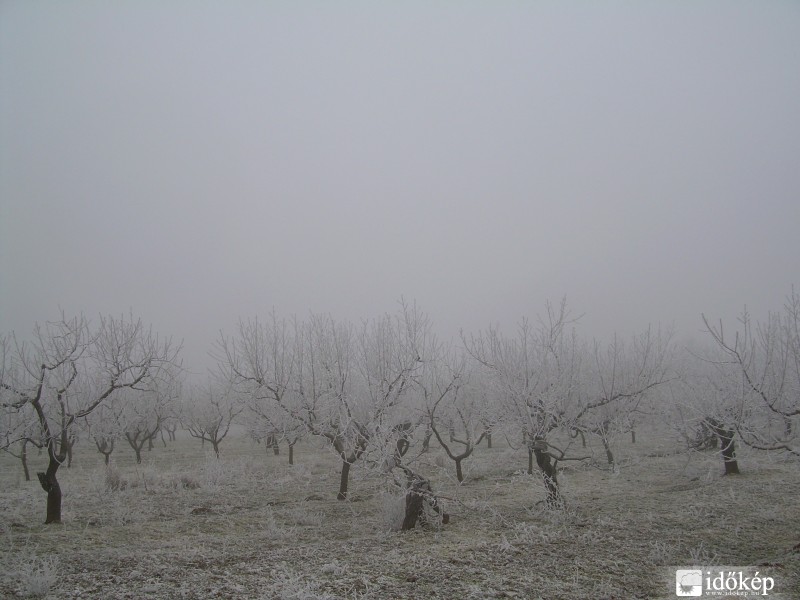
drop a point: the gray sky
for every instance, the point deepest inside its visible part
(201, 161)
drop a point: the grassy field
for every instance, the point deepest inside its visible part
(248, 525)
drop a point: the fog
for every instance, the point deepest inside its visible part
(201, 162)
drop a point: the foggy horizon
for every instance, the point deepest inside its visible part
(197, 164)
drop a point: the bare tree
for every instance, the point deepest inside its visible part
(104, 427)
(143, 411)
(536, 377)
(546, 378)
(762, 361)
(68, 370)
(449, 398)
(708, 404)
(19, 430)
(340, 382)
(616, 381)
(209, 414)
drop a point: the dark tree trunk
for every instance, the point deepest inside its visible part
(215, 445)
(459, 472)
(728, 446)
(549, 475)
(633, 436)
(138, 452)
(344, 481)
(488, 439)
(530, 460)
(291, 454)
(426, 441)
(607, 447)
(414, 509)
(418, 493)
(729, 454)
(276, 449)
(23, 457)
(50, 485)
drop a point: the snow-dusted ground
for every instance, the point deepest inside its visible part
(251, 526)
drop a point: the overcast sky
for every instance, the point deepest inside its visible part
(198, 162)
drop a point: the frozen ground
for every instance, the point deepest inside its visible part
(258, 528)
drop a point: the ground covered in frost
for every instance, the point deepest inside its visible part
(186, 525)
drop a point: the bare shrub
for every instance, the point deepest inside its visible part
(35, 576)
(289, 585)
(115, 482)
(187, 482)
(272, 529)
(215, 472)
(302, 514)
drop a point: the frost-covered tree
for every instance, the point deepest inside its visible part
(547, 378)
(453, 400)
(210, 412)
(761, 363)
(104, 427)
(142, 411)
(341, 382)
(68, 369)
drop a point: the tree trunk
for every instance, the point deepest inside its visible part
(291, 454)
(530, 460)
(343, 483)
(414, 508)
(609, 454)
(276, 449)
(426, 441)
(418, 493)
(50, 485)
(488, 439)
(727, 445)
(459, 472)
(729, 455)
(550, 477)
(23, 457)
(215, 445)
(138, 452)
(633, 436)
